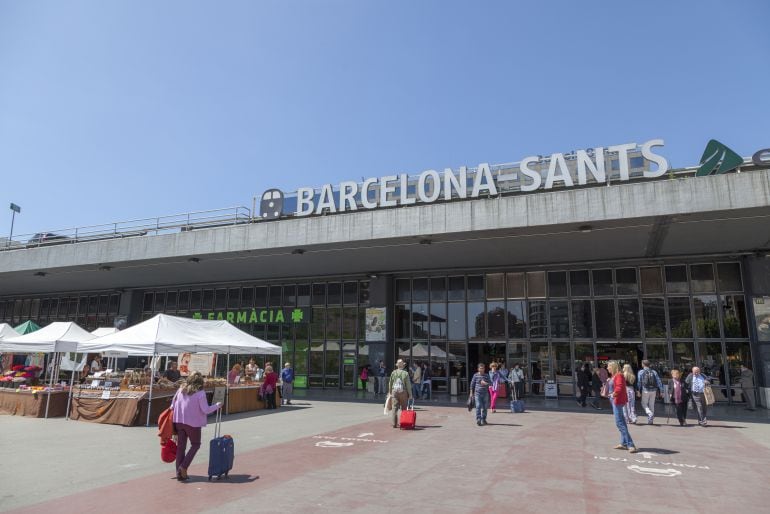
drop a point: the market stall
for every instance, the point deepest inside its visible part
(171, 335)
(56, 338)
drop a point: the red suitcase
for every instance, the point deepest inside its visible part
(408, 416)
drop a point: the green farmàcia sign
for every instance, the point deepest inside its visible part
(287, 316)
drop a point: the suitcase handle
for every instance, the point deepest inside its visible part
(218, 423)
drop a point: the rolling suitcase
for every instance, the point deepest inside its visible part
(221, 451)
(408, 416)
(517, 406)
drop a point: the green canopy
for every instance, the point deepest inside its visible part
(27, 327)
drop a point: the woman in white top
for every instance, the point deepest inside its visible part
(96, 363)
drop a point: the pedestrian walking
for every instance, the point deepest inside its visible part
(677, 391)
(269, 385)
(416, 381)
(426, 389)
(287, 381)
(382, 374)
(596, 388)
(495, 381)
(630, 408)
(190, 410)
(618, 399)
(479, 389)
(364, 376)
(746, 381)
(400, 390)
(696, 383)
(650, 387)
(583, 383)
(517, 380)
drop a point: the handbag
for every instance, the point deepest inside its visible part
(168, 451)
(471, 403)
(604, 392)
(708, 394)
(388, 405)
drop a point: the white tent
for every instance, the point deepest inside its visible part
(7, 331)
(170, 334)
(104, 331)
(60, 336)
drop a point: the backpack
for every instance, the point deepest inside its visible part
(649, 380)
(398, 385)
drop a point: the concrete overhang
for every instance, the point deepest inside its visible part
(725, 214)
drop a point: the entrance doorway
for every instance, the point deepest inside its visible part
(486, 353)
(624, 353)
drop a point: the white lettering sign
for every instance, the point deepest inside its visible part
(534, 172)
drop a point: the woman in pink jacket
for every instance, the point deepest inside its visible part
(190, 411)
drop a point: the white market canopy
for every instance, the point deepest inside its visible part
(59, 336)
(7, 331)
(104, 331)
(164, 334)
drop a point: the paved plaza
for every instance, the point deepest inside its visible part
(322, 455)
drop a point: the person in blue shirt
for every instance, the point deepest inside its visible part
(479, 388)
(696, 384)
(649, 384)
(287, 381)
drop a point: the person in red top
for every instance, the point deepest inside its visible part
(269, 386)
(618, 399)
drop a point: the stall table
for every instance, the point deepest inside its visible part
(27, 404)
(127, 408)
(246, 398)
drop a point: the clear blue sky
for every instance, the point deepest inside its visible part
(129, 109)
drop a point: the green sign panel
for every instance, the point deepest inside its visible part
(717, 159)
(286, 316)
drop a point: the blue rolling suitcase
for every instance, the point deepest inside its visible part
(221, 451)
(517, 406)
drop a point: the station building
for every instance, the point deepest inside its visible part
(549, 262)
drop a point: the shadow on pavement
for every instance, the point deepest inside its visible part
(233, 479)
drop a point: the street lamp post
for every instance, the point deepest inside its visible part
(15, 208)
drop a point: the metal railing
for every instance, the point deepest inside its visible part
(133, 228)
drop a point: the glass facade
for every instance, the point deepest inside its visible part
(550, 322)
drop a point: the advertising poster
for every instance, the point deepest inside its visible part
(375, 323)
(192, 362)
(762, 312)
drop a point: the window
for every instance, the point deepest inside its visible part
(536, 284)
(706, 317)
(233, 298)
(476, 324)
(676, 280)
(289, 297)
(420, 290)
(438, 321)
(579, 283)
(438, 289)
(495, 286)
(582, 319)
(729, 276)
(303, 295)
(402, 321)
(538, 318)
(605, 319)
(496, 321)
(636, 162)
(220, 299)
(651, 280)
(515, 285)
(457, 288)
(734, 308)
(350, 293)
(628, 317)
(559, 319)
(456, 321)
(625, 279)
(334, 293)
(654, 317)
(319, 294)
(260, 296)
(557, 283)
(603, 282)
(702, 278)
(420, 321)
(516, 322)
(476, 287)
(679, 317)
